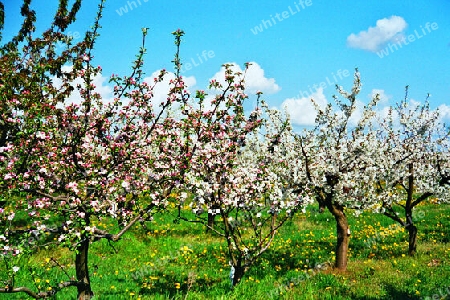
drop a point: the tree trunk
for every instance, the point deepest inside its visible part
(412, 230)
(343, 238)
(239, 272)
(212, 216)
(82, 271)
(211, 219)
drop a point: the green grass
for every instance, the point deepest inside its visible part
(179, 261)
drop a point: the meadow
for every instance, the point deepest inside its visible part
(164, 259)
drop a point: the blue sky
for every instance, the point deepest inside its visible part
(300, 48)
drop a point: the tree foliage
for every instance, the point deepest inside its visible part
(414, 149)
(65, 165)
(337, 160)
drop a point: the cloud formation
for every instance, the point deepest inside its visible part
(374, 38)
(444, 113)
(384, 98)
(161, 89)
(301, 110)
(99, 81)
(255, 79)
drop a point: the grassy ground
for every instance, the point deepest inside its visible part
(179, 261)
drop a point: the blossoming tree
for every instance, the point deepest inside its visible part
(337, 161)
(414, 165)
(241, 174)
(67, 165)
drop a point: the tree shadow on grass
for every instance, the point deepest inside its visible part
(285, 261)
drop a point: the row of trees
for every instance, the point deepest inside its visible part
(64, 165)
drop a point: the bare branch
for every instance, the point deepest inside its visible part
(40, 295)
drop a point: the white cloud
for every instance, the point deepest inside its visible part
(384, 98)
(255, 79)
(386, 30)
(301, 110)
(161, 89)
(357, 113)
(103, 87)
(99, 81)
(444, 113)
(382, 108)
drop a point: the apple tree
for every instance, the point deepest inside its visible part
(241, 173)
(336, 160)
(414, 163)
(66, 165)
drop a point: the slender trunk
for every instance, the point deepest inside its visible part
(236, 259)
(343, 239)
(342, 232)
(412, 230)
(211, 219)
(342, 228)
(239, 272)
(322, 201)
(82, 271)
(215, 209)
(212, 211)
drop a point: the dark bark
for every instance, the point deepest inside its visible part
(212, 216)
(412, 231)
(211, 220)
(82, 271)
(39, 295)
(408, 224)
(239, 272)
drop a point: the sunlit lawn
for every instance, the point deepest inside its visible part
(165, 260)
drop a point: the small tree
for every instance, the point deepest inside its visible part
(337, 161)
(241, 174)
(414, 165)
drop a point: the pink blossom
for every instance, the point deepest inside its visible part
(73, 186)
(40, 135)
(8, 176)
